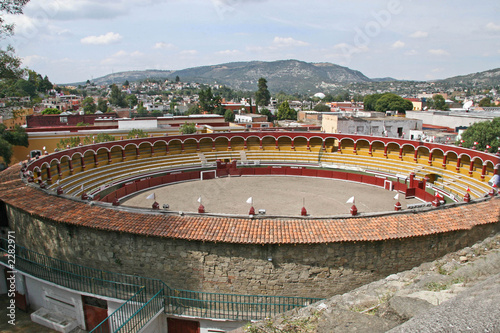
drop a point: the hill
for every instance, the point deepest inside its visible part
(487, 78)
(283, 75)
(289, 76)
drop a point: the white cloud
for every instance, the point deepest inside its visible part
(411, 52)
(398, 44)
(288, 42)
(439, 52)
(109, 38)
(419, 34)
(32, 60)
(437, 70)
(229, 52)
(71, 10)
(162, 45)
(493, 27)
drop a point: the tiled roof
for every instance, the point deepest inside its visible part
(239, 230)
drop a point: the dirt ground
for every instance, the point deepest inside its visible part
(278, 195)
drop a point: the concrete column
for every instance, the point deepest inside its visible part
(483, 172)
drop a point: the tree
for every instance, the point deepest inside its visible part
(102, 105)
(485, 133)
(262, 96)
(187, 128)
(10, 64)
(45, 85)
(439, 102)
(285, 112)
(229, 116)
(126, 83)
(116, 97)
(141, 110)
(266, 112)
(208, 102)
(370, 101)
(485, 102)
(51, 111)
(392, 102)
(9, 138)
(177, 79)
(25, 87)
(14, 7)
(132, 134)
(89, 105)
(131, 100)
(321, 107)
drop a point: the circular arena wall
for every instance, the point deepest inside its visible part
(281, 256)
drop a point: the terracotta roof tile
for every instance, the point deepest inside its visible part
(238, 230)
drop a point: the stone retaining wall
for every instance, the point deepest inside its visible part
(314, 270)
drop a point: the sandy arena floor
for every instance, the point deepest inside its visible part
(278, 195)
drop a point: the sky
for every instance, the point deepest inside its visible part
(78, 40)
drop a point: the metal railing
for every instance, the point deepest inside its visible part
(132, 315)
(145, 297)
(230, 306)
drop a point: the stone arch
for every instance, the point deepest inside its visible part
(160, 148)
(316, 143)
(174, 147)
(392, 150)
(451, 160)
(347, 145)
(477, 167)
(89, 159)
(190, 146)
(300, 143)
(116, 154)
(221, 143)
(378, 148)
(490, 169)
(363, 147)
(206, 144)
(331, 145)
(464, 164)
(268, 143)
(437, 157)
(76, 162)
(423, 155)
(145, 149)
(65, 166)
(408, 153)
(253, 143)
(130, 152)
(285, 143)
(102, 156)
(237, 143)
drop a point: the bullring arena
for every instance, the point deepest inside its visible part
(88, 206)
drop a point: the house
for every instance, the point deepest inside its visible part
(398, 127)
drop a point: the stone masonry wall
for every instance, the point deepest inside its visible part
(317, 270)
